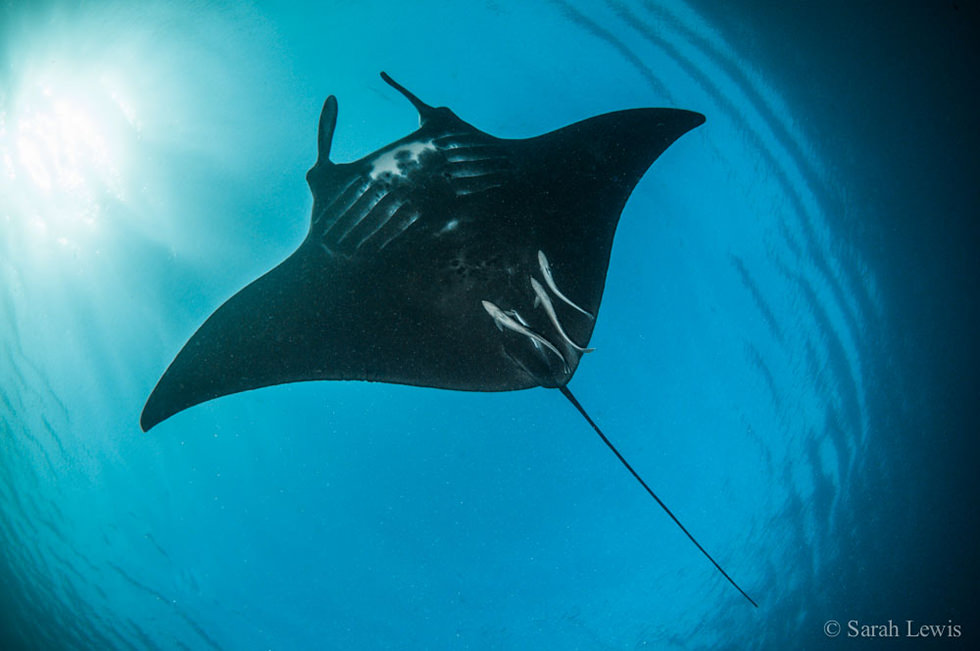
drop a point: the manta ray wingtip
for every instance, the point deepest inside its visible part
(696, 119)
(147, 421)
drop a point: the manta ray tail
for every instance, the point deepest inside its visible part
(581, 410)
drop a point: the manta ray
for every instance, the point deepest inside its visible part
(449, 258)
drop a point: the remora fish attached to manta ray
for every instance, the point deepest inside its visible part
(449, 258)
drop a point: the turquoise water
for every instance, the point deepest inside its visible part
(786, 348)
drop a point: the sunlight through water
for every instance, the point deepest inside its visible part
(66, 143)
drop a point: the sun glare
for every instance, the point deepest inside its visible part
(65, 137)
(108, 108)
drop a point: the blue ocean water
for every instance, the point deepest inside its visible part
(786, 350)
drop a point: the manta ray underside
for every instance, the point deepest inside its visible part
(449, 258)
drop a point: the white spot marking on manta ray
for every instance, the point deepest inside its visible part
(393, 162)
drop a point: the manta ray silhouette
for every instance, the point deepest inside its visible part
(449, 259)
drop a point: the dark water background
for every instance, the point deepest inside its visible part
(787, 345)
